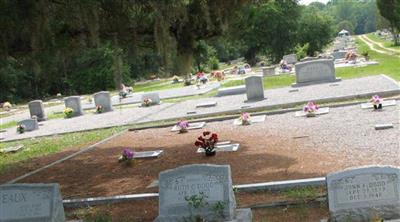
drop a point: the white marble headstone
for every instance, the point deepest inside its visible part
(31, 203)
(360, 194)
(74, 102)
(103, 99)
(36, 108)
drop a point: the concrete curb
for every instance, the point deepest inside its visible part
(277, 185)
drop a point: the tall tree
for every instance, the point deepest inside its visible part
(390, 9)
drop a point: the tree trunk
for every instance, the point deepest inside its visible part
(250, 56)
(184, 62)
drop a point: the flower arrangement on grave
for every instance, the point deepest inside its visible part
(146, 102)
(207, 141)
(376, 102)
(7, 106)
(182, 125)
(126, 156)
(99, 109)
(245, 118)
(123, 94)
(68, 112)
(310, 109)
(20, 128)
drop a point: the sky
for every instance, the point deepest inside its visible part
(306, 2)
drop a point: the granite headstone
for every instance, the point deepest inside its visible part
(314, 72)
(254, 88)
(103, 99)
(290, 59)
(211, 182)
(30, 124)
(74, 102)
(36, 108)
(361, 194)
(31, 203)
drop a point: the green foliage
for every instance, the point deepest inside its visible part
(390, 9)
(301, 51)
(197, 201)
(205, 57)
(218, 208)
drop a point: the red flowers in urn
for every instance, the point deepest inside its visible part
(207, 141)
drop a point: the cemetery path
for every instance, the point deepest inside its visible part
(372, 45)
(381, 44)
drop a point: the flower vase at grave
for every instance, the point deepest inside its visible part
(210, 151)
(378, 106)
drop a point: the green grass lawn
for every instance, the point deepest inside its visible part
(156, 85)
(48, 145)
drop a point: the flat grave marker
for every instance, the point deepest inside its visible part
(383, 126)
(31, 203)
(148, 154)
(253, 119)
(12, 149)
(223, 148)
(360, 194)
(321, 111)
(384, 104)
(192, 126)
(206, 104)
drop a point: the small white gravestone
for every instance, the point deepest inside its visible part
(361, 194)
(103, 99)
(254, 88)
(320, 111)
(227, 147)
(148, 154)
(314, 72)
(213, 183)
(253, 119)
(36, 108)
(192, 126)
(384, 104)
(30, 124)
(206, 104)
(290, 59)
(31, 203)
(74, 102)
(155, 98)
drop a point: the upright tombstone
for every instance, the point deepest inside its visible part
(254, 88)
(155, 98)
(30, 124)
(268, 71)
(213, 183)
(74, 102)
(362, 194)
(314, 72)
(103, 99)
(31, 203)
(36, 108)
(290, 59)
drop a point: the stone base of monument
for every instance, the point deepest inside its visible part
(241, 215)
(315, 82)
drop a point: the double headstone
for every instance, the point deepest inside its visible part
(36, 108)
(74, 102)
(315, 71)
(208, 185)
(30, 124)
(364, 194)
(31, 203)
(254, 88)
(290, 59)
(103, 99)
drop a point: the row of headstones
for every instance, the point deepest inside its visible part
(205, 191)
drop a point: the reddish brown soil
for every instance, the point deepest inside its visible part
(263, 156)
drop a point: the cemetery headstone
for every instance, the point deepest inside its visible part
(254, 88)
(362, 194)
(268, 71)
(155, 98)
(31, 203)
(314, 72)
(290, 59)
(30, 124)
(103, 99)
(213, 183)
(339, 54)
(74, 102)
(36, 108)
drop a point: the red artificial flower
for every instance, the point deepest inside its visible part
(198, 143)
